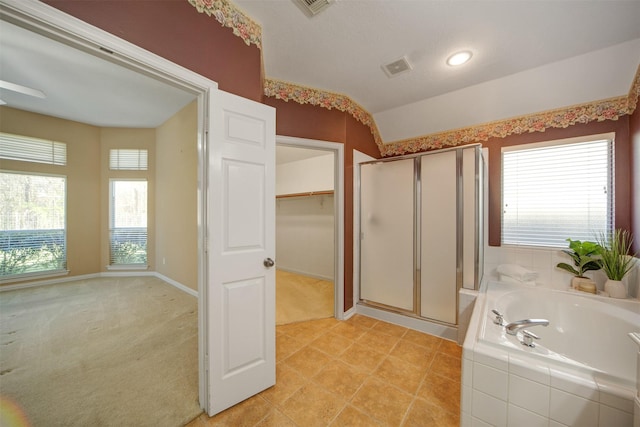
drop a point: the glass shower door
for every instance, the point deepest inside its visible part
(386, 233)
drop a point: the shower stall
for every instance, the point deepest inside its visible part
(421, 232)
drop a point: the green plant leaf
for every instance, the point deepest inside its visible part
(567, 267)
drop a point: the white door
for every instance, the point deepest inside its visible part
(241, 249)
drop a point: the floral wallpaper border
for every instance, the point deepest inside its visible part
(608, 109)
(305, 95)
(227, 14)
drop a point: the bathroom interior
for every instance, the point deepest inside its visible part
(460, 207)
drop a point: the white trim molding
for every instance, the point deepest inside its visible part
(338, 149)
(162, 277)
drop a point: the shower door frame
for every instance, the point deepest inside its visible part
(417, 246)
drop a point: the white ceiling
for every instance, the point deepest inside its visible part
(343, 48)
(80, 86)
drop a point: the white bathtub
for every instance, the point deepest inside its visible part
(582, 371)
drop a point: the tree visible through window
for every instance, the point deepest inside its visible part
(128, 230)
(32, 224)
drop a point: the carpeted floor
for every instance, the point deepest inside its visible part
(300, 298)
(100, 352)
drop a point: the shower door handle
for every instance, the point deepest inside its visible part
(268, 262)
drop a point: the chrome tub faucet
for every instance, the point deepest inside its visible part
(527, 337)
(513, 327)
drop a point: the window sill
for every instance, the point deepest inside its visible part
(127, 267)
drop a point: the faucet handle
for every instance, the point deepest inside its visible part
(528, 337)
(499, 320)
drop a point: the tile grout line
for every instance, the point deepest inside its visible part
(368, 373)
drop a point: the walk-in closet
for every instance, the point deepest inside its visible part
(305, 234)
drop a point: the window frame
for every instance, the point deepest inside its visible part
(130, 266)
(45, 273)
(610, 137)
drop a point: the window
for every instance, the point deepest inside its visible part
(128, 159)
(27, 149)
(32, 224)
(128, 223)
(557, 190)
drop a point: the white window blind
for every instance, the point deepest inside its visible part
(554, 192)
(128, 159)
(32, 224)
(128, 230)
(27, 149)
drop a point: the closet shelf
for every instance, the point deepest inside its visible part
(311, 193)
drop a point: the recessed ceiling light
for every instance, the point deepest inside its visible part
(459, 58)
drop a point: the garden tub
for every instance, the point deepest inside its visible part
(581, 371)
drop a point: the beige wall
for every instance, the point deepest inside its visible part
(84, 204)
(172, 187)
(176, 198)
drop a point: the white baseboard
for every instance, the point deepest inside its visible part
(172, 282)
(131, 273)
(25, 285)
(177, 284)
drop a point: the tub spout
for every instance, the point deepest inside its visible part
(513, 327)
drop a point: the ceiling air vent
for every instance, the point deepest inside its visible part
(313, 7)
(397, 67)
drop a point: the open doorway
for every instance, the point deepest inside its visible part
(113, 57)
(309, 230)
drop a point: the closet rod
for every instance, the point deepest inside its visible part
(312, 193)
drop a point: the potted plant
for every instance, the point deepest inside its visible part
(616, 260)
(585, 257)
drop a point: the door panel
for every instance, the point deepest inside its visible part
(241, 235)
(245, 204)
(244, 320)
(386, 225)
(439, 237)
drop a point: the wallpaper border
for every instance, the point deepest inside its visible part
(607, 109)
(305, 95)
(227, 14)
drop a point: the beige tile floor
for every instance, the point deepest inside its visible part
(359, 372)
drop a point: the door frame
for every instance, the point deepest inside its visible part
(338, 196)
(45, 20)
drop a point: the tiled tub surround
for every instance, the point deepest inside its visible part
(543, 261)
(582, 371)
(635, 337)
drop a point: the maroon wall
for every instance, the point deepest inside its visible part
(176, 31)
(308, 121)
(623, 168)
(634, 137)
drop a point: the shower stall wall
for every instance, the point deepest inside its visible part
(420, 232)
